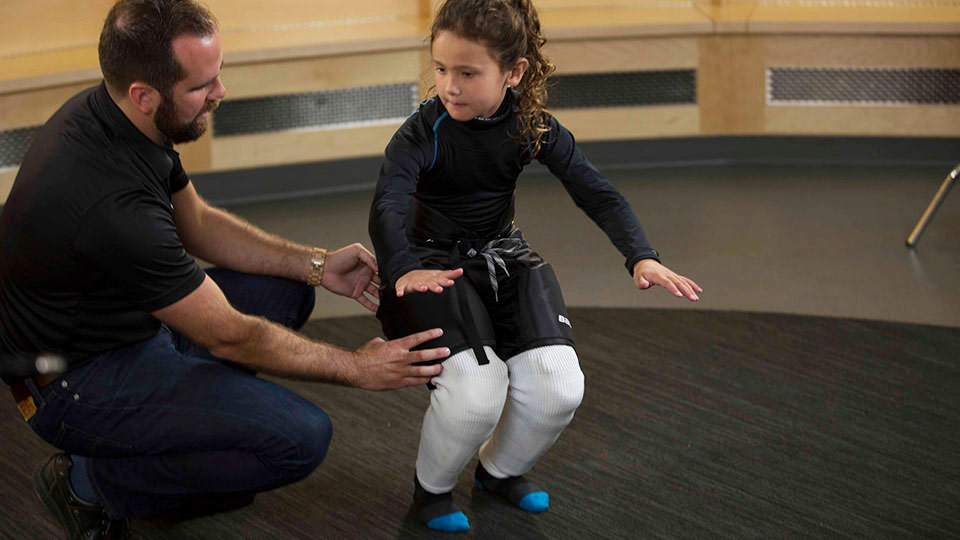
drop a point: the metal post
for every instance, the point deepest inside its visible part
(934, 205)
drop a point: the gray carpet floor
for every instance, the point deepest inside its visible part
(695, 424)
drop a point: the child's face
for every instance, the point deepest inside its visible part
(469, 81)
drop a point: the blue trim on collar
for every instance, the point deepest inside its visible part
(435, 125)
(422, 103)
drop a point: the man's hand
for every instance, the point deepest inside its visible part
(427, 280)
(649, 272)
(385, 365)
(351, 271)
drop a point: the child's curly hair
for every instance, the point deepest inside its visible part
(510, 29)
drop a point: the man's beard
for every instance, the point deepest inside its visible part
(167, 123)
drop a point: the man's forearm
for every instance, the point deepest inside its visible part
(274, 349)
(228, 241)
(206, 317)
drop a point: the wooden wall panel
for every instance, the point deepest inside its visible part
(370, 35)
(36, 26)
(316, 74)
(7, 176)
(239, 15)
(591, 21)
(633, 54)
(731, 85)
(727, 17)
(427, 83)
(48, 69)
(71, 24)
(888, 121)
(33, 108)
(631, 122)
(293, 46)
(299, 146)
(196, 156)
(906, 19)
(862, 51)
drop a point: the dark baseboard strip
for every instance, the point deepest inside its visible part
(244, 186)
(308, 179)
(766, 150)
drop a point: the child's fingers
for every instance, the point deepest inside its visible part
(669, 285)
(693, 284)
(688, 291)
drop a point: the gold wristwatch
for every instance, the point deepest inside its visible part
(317, 258)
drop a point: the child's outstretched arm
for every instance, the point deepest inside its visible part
(594, 194)
(649, 272)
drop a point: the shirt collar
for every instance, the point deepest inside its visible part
(506, 107)
(160, 157)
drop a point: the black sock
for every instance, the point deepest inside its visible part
(515, 489)
(437, 510)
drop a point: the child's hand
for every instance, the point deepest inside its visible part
(424, 280)
(649, 272)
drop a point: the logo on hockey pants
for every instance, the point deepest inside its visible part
(565, 321)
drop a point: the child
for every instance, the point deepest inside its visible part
(444, 209)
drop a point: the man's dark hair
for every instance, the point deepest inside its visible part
(136, 43)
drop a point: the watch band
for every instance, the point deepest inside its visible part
(317, 260)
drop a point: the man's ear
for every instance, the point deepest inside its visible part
(144, 97)
(517, 71)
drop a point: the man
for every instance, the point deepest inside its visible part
(159, 405)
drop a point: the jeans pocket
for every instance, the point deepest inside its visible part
(77, 441)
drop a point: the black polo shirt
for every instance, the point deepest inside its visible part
(88, 242)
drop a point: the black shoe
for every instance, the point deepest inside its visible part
(80, 520)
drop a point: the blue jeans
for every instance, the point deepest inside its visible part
(164, 422)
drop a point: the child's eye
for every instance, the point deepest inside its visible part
(468, 74)
(440, 70)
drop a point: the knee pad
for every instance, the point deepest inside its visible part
(546, 387)
(547, 381)
(469, 396)
(465, 407)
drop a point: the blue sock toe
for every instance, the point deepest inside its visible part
(456, 522)
(535, 502)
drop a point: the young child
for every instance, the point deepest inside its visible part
(444, 209)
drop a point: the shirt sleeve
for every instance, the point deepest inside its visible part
(405, 157)
(131, 237)
(594, 194)
(178, 176)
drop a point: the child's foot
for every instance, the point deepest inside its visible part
(516, 489)
(438, 511)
